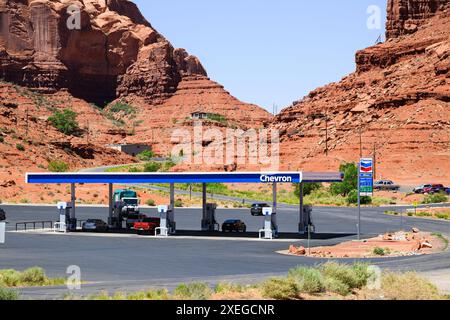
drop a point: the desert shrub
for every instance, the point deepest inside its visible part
(150, 202)
(20, 147)
(2, 139)
(178, 203)
(408, 286)
(9, 278)
(134, 170)
(65, 121)
(381, 251)
(354, 276)
(280, 289)
(193, 291)
(58, 166)
(152, 167)
(308, 280)
(124, 107)
(352, 198)
(225, 288)
(33, 276)
(362, 274)
(442, 215)
(308, 188)
(146, 155)
(336, 286)
(435, 198)
(8, 294)
(162, 294)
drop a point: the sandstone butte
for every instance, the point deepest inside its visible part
(398, 98)
(398, 95)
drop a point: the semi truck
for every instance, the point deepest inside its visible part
(129, 201)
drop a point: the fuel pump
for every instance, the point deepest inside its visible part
(306, 222)
(209, 222)
(163, 230)
(268, 232)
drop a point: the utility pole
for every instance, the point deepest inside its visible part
(26, 121)
(360, 140)
(326, 134)
(375, 159)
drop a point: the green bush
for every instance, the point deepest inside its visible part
(193, 291)
(33, 276)
(65, 121)
(178, 203)
(336, 286)
(134, 170)
(435, 198)
(355, 277)
(442, 215)
(352, 198)
(8, 294)
(150, 202)
(58, 166)
(9, 278)
(152, 167)
(350, 181)
(2, 139)
(308, 188)
(124, 107)
(308, 280)
(146, 155)
(20, 147)
(280, 289)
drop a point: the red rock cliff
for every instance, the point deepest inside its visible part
(405, 16)
(116, 51)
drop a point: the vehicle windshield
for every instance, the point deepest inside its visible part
(131, 202)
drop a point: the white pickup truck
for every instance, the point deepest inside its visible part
(386, 185)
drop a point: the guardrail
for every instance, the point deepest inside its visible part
(34, 224)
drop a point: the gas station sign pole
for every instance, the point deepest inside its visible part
(365, 185)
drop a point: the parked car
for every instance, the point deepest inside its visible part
(2, 215)
(257, 208)
(386, 185)
(96, 225)
(420, 189)
(435, 188)
(234, 225)
(147, 225)
(133, 218)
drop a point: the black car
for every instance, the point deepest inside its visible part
(234, 225)
(257, 209)
(95, 225)
(2, 215)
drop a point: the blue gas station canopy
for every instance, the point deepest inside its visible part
(185, 177)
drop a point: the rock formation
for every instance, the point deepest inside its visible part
(405, 16)
(113, 49)
(398, 99)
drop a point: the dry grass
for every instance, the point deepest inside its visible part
(408, 286)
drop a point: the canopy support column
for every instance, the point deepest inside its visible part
(73, 199)
(171, 213)
(110, 204)
(274, 209)
(301, 225)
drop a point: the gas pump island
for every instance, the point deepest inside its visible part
(125, 203)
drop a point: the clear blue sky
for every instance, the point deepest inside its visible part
(268, 52)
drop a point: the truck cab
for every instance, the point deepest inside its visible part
(129, 201)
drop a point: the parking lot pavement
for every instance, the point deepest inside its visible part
(114, 262)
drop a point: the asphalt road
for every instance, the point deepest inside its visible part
(129, 264)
